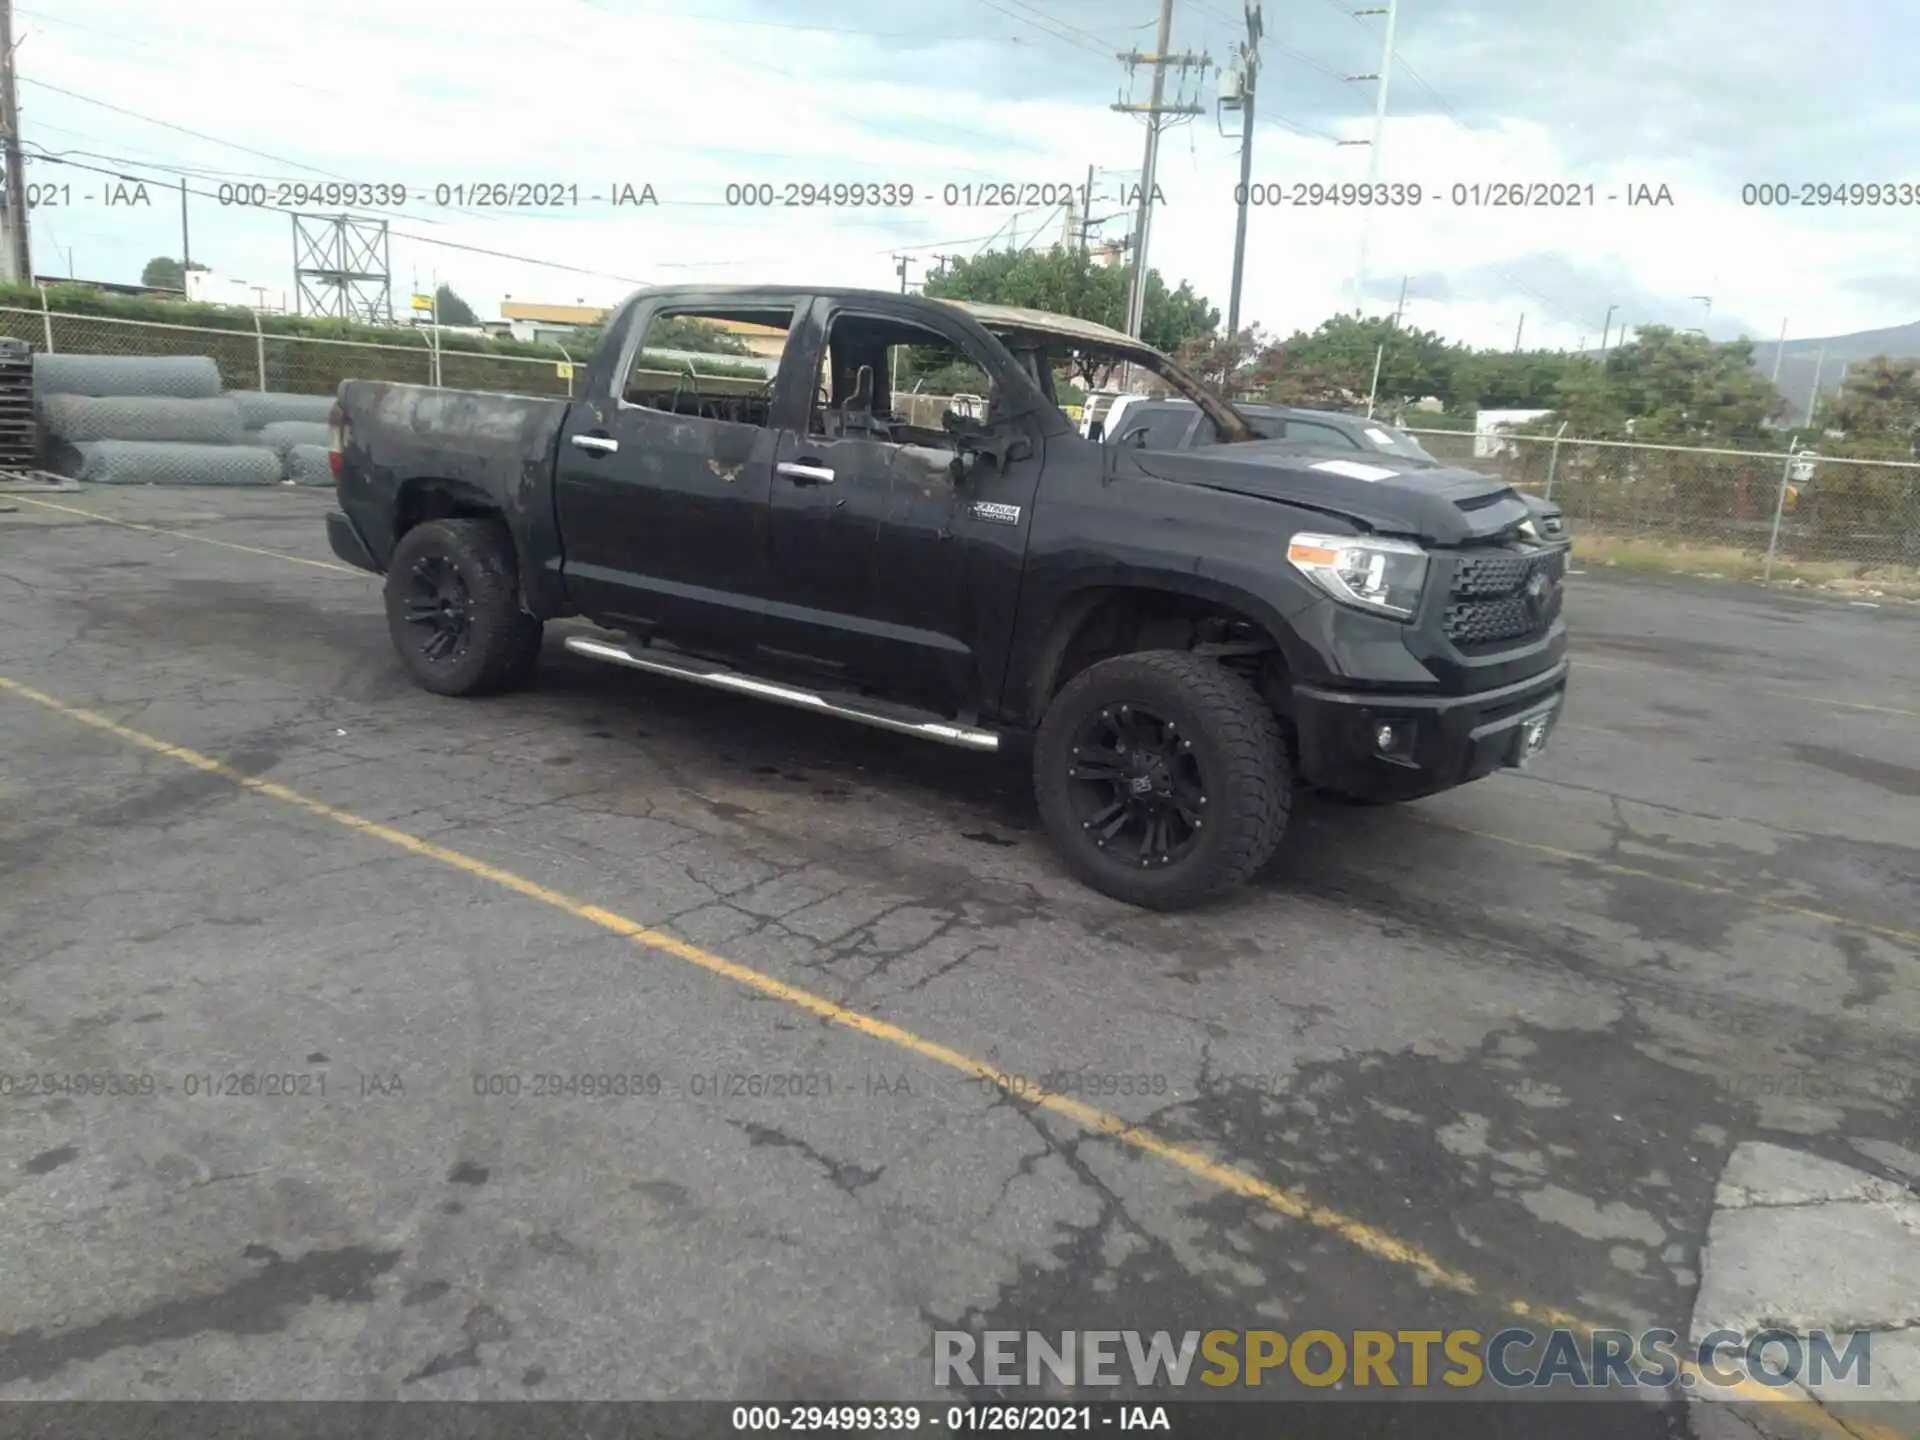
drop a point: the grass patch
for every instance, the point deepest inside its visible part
(1601, 550)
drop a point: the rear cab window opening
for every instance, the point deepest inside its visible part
(710, 364)
(895, 382)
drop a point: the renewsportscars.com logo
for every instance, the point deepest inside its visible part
(1372, 1361)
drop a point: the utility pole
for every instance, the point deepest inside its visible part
(1400, 307)
(1516, 332)
(1605, 326)
(1153, 110)
(186, 248)
(900, 263)
(17, 264)
(1779, 349)
(1248, 72)
(1813, 395)
(1392, 11)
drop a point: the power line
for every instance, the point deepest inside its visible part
(749, 217)
(1431, 93)
(555, 264)
(1099, 41)
(1062, 37)
(182, 129)
(1294, 127)
(699, 19)
(1301, 57)
(396, 234)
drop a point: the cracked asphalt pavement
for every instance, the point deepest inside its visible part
(1518, 1028)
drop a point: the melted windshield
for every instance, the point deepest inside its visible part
(1067, 367)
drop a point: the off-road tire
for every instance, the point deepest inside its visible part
(1236, 742)
(502, 640)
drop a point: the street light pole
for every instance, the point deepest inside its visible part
(1392, 11)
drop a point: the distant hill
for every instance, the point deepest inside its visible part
(1799, 360)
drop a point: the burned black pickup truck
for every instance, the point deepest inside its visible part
(1174, 640)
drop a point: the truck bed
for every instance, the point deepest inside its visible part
(486, 444)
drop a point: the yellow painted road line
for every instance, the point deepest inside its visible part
(1358, 1233)
(1699, 887)
(187, 535)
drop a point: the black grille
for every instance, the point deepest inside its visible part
(1497, 599)
(1499, 574)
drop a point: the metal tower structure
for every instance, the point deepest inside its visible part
(342, 267)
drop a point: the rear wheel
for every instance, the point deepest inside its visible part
(453, 608)
(1161, 778)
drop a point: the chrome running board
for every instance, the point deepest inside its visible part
(706, 672)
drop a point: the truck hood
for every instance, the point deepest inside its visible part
(1436, 504)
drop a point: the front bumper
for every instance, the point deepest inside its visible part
(347, 544)
(1439, 740)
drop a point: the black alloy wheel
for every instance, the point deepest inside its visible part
(1161, 777)
(1137, 785)
(440, 608)
(453, 608)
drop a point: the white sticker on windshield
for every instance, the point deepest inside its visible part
(1354, 470)
(1379, 437)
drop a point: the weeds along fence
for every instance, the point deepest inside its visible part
(257, 359)
(1804, 507)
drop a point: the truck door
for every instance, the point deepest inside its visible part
(888, 565)
(662, 478)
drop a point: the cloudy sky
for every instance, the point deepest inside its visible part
(694, 95)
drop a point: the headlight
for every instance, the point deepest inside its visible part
(1366, 572)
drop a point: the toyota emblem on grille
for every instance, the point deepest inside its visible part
(1537, 587)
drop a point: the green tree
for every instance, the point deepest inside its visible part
(1877, 410)
(1674, 388)
(163, 272)
(1505, 379)
(681, 332)
(450, 309)
(1066, 282)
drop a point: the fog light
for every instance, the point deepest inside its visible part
(1385, 738)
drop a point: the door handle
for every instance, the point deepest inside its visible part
(810, 474)
(598, 444)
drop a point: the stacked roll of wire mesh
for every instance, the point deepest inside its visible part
(127, 420)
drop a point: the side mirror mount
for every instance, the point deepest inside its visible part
(972, 439)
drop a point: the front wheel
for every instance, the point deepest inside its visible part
(1162, 778)
(453, 608)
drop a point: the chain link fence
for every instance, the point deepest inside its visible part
(256, 359)
(1801, 508)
